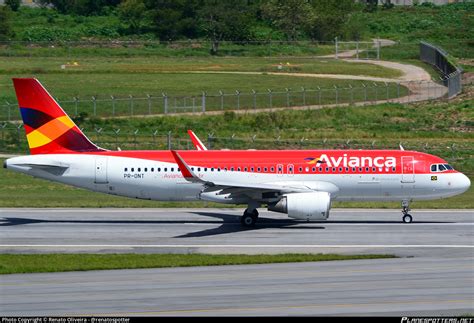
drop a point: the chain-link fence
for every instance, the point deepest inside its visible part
(13, 140)
(128, 105)
(440, 59)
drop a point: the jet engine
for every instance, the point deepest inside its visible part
(304, 206)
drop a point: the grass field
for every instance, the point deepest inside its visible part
(138, 76)
(27, 263)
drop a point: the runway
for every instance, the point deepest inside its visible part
(406, 286)
(444, 233)
(433, 276)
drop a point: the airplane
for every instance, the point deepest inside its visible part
(299, 183)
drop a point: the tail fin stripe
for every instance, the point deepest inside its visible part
(34, 118)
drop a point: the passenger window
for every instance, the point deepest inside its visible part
(125, 169)
(259, 169)
(340, 169)
(172, 169)
(238, 169)
(212, 169)
(265, 169)
(158, 169)
(314, 169)
(132, 169)
(146, 169)
(139, 169)
(205, 169)
(245, 169)
(199, 169)
(152, 169)
(272, 169)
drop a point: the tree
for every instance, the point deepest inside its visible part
(292, 17)
(133, 13)
(81, 7)
(173, 19)
(5, 26)
(13, 4)
(330, 18)
(225, 20)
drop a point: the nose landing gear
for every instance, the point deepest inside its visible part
(407, 218)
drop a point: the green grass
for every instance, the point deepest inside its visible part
(29, 263)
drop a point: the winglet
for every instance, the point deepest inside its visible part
(188, 174)
(196, 141)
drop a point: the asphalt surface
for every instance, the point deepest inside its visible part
(434, 276)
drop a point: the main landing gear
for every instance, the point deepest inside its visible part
(249, 218)
(407, 218)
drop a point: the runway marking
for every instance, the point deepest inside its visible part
(235, 210)
(203, 310)
(227, 246)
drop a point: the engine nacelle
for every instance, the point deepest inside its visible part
(304, 206)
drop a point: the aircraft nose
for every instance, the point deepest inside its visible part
(462, 183)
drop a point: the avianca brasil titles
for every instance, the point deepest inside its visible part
(300, 183)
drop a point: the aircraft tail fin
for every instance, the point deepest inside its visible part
(49, 129)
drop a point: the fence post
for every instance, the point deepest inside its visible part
(319, 95)
(149, 103)
(203, 101)
(165, 102)
(386, 85)
(365, 92)
(398, 90)
(8, 111)
(98, 131)
(209, 141)
(154, 137)
(337, 49)
(18, 134)
(270, 98)
(304, 95)
(131, 104)
(287, 97)
(222, 99)
(168, 137)
(237, 92)
(254, 99)
(116, 137)
(94, 104)
(376, 92)
(357, 49)
(337, 94)
(135, 138)
(113, 105)
(352, 94)
(75, 106)
(378, 49)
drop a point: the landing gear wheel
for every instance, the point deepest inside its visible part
(407, 218)
(249, 218)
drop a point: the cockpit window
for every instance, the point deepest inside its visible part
(441, 167)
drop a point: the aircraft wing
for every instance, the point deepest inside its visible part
(229, 187)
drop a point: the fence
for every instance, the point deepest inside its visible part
(439, 58)
(362, 93)
(13, 141)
